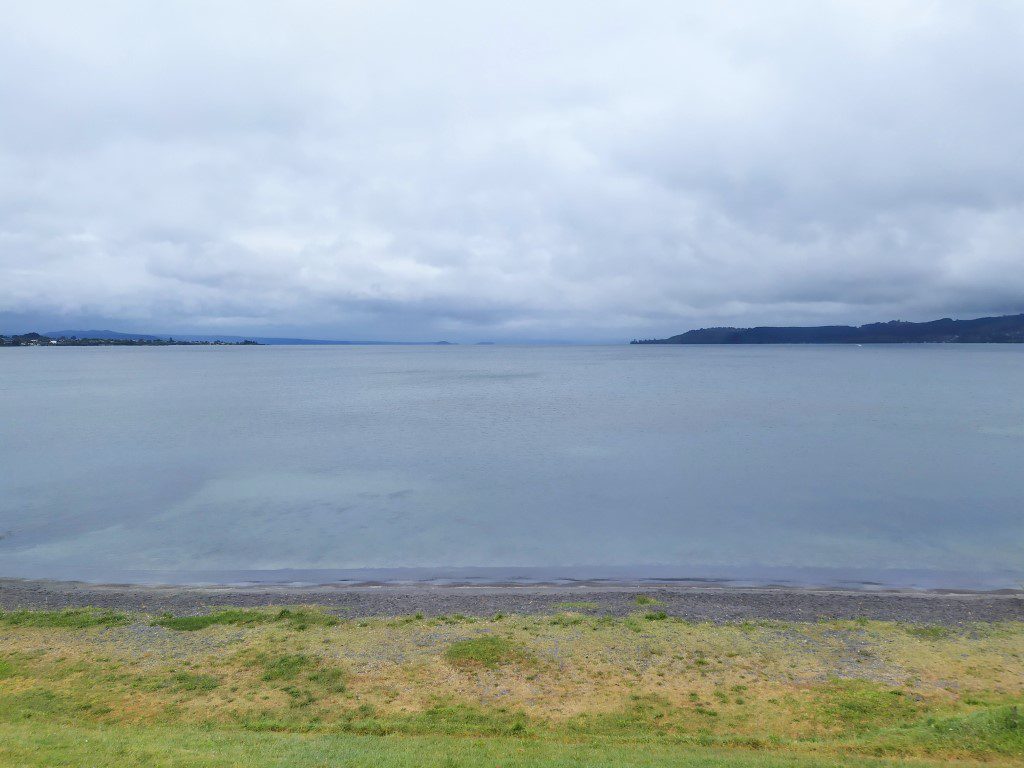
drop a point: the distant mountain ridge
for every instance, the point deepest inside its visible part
(1006, 329)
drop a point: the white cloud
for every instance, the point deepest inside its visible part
(468, 171)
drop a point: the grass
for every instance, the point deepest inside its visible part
(44, 745)
(929, 631)
(298, 618)
(995, 730)
(186, 681)
(860, 704)
(577, 605)
(331, 678)
(647, 600)
(71, 618)
(285, 667)
(286, 688)
(490, 652)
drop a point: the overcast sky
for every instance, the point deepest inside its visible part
(474, 170)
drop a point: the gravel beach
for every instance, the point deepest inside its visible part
(689, 602)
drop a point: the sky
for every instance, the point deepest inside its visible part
(592, 171)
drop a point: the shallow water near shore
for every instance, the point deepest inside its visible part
(865, 466)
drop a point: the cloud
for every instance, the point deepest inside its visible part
(464, 171)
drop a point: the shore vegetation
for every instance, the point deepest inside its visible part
(300, 686)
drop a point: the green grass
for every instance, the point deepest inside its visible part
(929, 631)
(995, 729)
(186, 681)
(235, 617)
(330, 678)
(647, 600)
(71, 618)
(296, 618)
(861, 705)
(517, 690)
(577, 605)
(39, 745)
(285, 667)
(490, 651)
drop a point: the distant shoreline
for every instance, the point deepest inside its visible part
(42, 340)
(1006, 329)
(106, 338)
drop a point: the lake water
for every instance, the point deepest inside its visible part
(896, 465)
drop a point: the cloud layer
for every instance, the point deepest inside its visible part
(461, 170)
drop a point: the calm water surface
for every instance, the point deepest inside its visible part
(893, 464)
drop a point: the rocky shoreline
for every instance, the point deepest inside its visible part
(715, 604)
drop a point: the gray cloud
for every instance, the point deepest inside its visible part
(457, 170)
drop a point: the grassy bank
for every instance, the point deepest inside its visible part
(297, 687)
(112, 747)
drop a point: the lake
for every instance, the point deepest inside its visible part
(897, 465)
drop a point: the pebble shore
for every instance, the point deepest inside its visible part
(715, 604)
